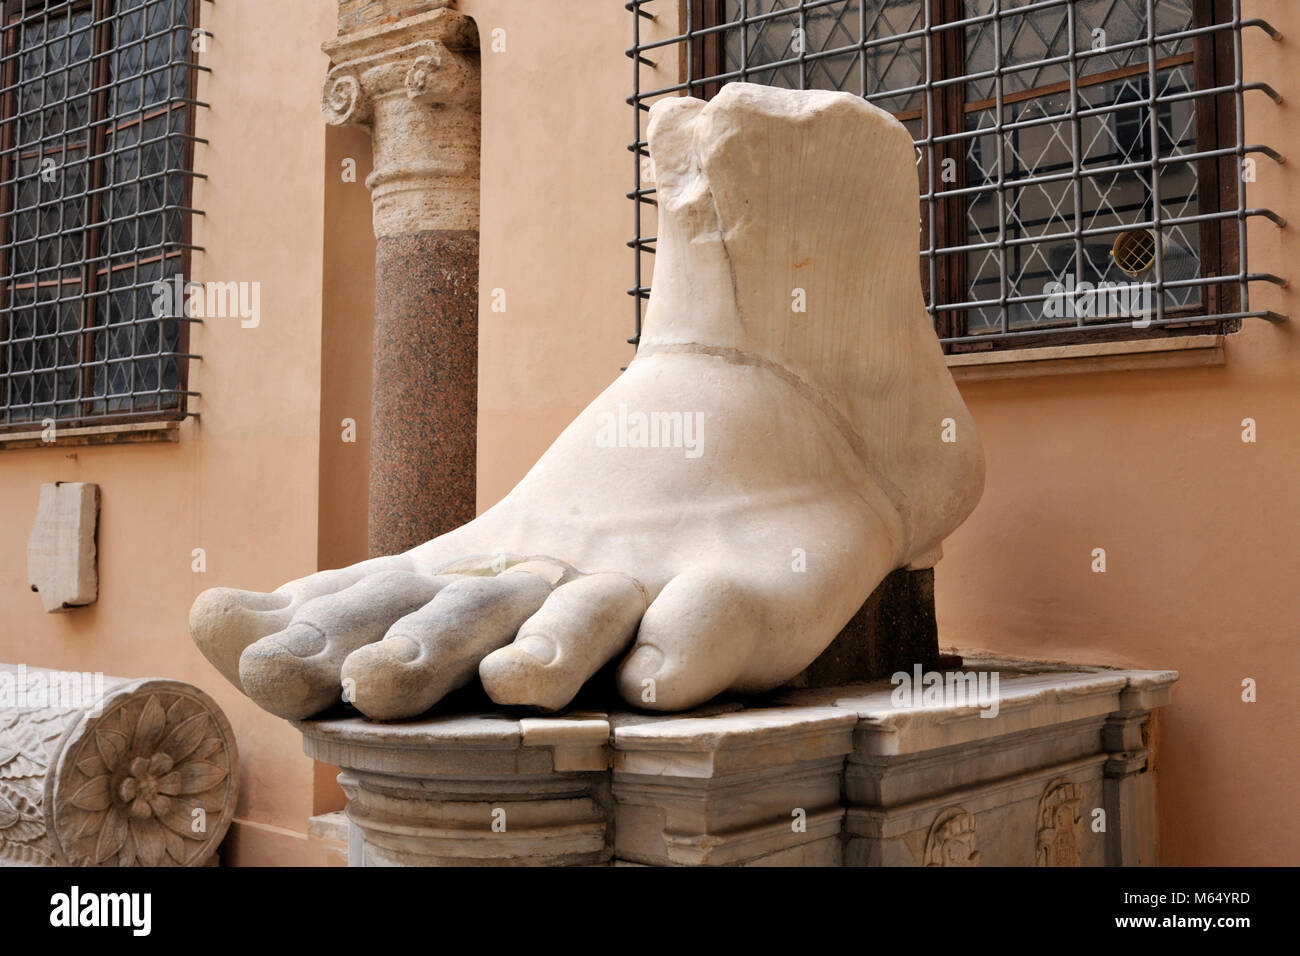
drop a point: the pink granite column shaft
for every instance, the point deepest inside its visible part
(424, 397)
(413, 83)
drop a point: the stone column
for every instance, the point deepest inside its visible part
(413, 83)
(109, 771)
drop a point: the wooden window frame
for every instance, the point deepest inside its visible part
(93, 271)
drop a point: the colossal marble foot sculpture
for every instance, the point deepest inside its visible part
(786, 436)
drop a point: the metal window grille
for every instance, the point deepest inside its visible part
(1059, 142)
(97, 102)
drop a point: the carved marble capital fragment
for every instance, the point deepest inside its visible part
(414, 85)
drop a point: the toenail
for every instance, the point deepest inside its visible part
(646, 660)
(538, 647)
(402, 649)
(302, 640)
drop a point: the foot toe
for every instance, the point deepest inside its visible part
(436, 649)
(294, 673)
(582, 625)
(693, 643)
(283, 675)
(224, 621)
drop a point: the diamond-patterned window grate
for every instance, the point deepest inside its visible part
(97, 102)
(1054, 138)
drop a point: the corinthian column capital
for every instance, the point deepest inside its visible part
(413, 84)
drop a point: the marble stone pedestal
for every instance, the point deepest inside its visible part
(1055, 770)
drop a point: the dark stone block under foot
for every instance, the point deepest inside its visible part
(892, 631)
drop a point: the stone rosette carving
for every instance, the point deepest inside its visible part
(442, 76)
(419, 78)
(1058, 840)
(951, 840)
(148, 778)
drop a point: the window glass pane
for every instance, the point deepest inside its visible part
(1035, 173)
(45, 228)
(1107, 200)
(1106, 28)
(1124, 137)
(848, 45)
(94, 209)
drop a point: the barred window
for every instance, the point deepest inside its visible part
(1063, 146)
(96, 144)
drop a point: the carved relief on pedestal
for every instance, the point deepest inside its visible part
(951, 840)
(414, 86)
(1058, 842)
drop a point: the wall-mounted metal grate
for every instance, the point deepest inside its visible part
(97, 102)
(1063, 147)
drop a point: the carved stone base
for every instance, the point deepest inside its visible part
(1057, 774)
(459, 791)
